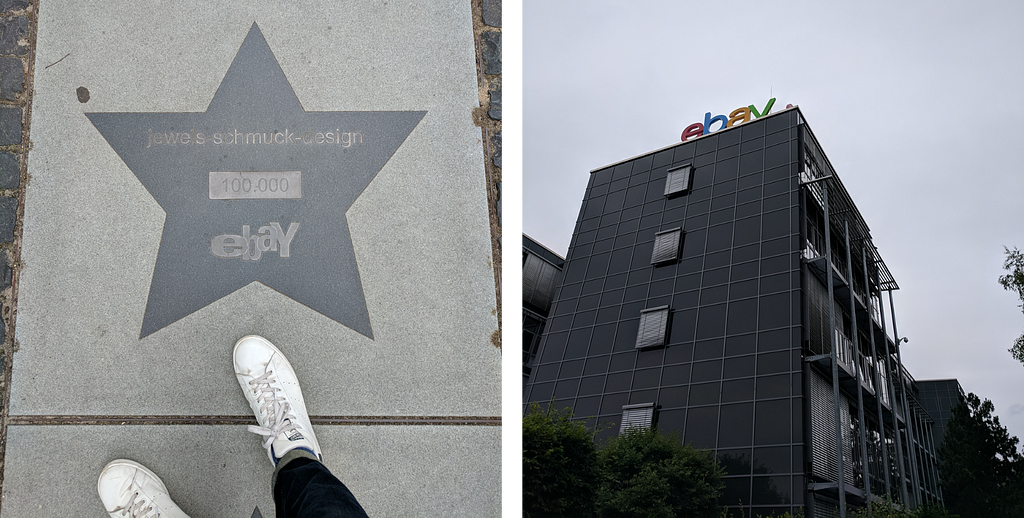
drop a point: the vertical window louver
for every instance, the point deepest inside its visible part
(666, 246)
(678, 180)
(653, 326)
(637, 416)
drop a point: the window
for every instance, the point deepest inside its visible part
(666, 246)
(636, 416)
(653, 325)
(678, 180)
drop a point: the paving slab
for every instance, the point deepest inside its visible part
(96, 237)
(152, 240)
(222, 471)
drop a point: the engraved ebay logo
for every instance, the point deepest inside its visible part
(737, 116)
(250, 247)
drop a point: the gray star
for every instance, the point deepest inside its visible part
(255, 189)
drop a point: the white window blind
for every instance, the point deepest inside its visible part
(653, 324)
(636, 416)
(666, 246)
(678, 180)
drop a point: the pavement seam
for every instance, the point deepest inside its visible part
(11, 252)
(490, 128)
(43, 420)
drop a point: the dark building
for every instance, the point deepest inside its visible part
(541, 269)
(938, 397)
(703, 292)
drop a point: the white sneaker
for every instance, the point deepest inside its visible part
(270, 385)
(127, 488)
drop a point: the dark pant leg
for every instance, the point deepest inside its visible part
(305, 488)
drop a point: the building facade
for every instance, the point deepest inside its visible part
(727, 288)
(541, 269)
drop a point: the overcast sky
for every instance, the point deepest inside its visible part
(918, 107)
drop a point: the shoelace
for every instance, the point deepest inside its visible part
(138, 509)
(283, 420)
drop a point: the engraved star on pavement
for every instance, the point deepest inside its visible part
(255, 189)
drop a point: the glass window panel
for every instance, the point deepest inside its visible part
(674, 215)
(635, 195)
(688, 282)
(770, 490)
(588, 302)
(741, 316)
(625, 336)
(571, 369)
(774, 265)
(566, 388)
(622, 361)
(619, 382)
(593, 286)
(774, 340)
(701, 427)
(620, 260)
(773, 386)
(751, 162)
(719, 237)
(579, 341)
(771, 422)
(735, 462)
(737, 345)
(776, 155)
(775, 224)
(706, 371)
(744, 271)
(683, 326)
(611, 298)
(591, 385)
(584, 319)
(776, 247)
(738, 367)
(676, 375)
(646, 378)
(677, 353)
(772, 460)
(542, 391)
(661, 288)
(723, 215)
(704, 159)
(714, 295)
(748, 231)
(711, 321)
(743, 289)
(715, 277)
(775, 283)
(718, 259)
(674, 396)
(696, 222)
(772, 363)
(738, 390)
(607, 315)
(705, 394)
(650, 221)
(595, 207)
(596, 365)
(708, 349)
(601, 341)
(735, 425)
(736, 490)
(671, 420)
(774, 311)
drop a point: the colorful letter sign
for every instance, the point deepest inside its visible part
(737, 116)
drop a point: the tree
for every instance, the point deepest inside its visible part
(645, 473)
(559, 465)
(979, 467)
(1014, 281)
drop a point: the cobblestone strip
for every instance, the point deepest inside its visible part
(17, 61)
(487, 32)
